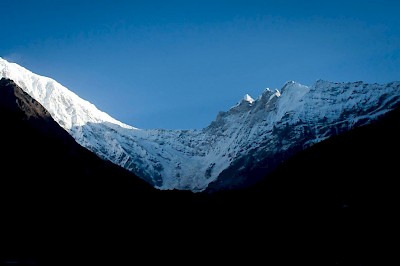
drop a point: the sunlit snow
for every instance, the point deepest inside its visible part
(191, 159)
(248, 98)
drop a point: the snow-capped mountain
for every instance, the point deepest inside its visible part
(254, 136)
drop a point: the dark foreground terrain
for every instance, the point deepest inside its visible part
(333, 204)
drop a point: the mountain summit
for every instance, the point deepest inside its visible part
(248, 99)
(241, 145)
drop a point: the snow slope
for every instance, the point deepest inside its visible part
(276, 122)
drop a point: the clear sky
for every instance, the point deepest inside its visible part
(176, 64)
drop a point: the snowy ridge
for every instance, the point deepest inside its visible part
(277, 122)
(66, 107)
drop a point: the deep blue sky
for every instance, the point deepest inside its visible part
(176, 64)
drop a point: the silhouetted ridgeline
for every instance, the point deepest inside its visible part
(332, 204)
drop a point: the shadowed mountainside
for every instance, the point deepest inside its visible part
(332, 204)
(52, 190)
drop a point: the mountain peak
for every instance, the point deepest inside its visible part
(248, 98)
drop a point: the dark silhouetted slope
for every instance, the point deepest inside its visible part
(62, 205)
(54, 192)
(334, 203)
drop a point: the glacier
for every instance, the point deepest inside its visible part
(252, 133)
